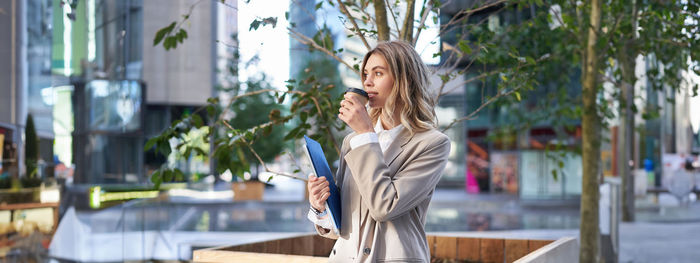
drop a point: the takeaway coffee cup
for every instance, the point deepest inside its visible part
(361, 94)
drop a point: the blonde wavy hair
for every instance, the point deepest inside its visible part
(410, 94)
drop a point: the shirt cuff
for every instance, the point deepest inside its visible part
(323, 220)
(362, 139)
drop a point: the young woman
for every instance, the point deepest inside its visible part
(389, 165)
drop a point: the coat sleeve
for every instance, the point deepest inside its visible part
(390, 196)
(327, 233)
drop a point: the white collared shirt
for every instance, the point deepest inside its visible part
(381, 136)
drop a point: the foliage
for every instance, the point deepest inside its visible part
(509, 48)
(31, 147)
(489, 53)
(5, 182)
(665, 33)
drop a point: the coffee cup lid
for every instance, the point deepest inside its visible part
(358, 91)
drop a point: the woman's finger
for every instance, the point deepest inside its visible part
(320, 187)
(350, 98)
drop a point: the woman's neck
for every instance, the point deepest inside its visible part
(387, 125)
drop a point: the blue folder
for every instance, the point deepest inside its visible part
(321, 168)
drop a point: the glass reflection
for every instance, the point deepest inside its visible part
(114, 105)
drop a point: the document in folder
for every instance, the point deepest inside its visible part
(321, 168)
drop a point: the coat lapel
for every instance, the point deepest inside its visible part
(396, 147)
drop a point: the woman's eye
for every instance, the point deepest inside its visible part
(377, 74)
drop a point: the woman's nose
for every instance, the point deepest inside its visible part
(368, 81)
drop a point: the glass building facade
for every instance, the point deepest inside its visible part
(499, 157)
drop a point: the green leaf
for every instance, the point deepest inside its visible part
(210, 110)
(249, 136)
(303, 116)
(150, 143)
(445, 78)
(162, 33)
(155, 177)
(517, 95)
(184, 33)
(292, 134)
(197, 121)
(164, 148)
(167, 175)
(318, 6)
(254, 25)
(179, 175)
(530, 60)
(555, 175)
(464, 47)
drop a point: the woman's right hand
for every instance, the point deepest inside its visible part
(318, 192)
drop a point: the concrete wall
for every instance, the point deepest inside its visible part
(183, 76)
(13, 73)
(8, 69)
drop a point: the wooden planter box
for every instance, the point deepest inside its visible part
(247, 190)
(314, 248)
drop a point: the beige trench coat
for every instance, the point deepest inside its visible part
(385, 198)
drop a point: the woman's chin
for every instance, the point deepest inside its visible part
(373, 104)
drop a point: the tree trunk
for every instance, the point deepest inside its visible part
(406, 33)
(625, 147)
(382, 23)
(589, 232)
(626, 131)
(627, 57)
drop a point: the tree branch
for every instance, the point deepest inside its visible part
(558, 15)
(311, 43)
(424, 15)
(345, 11)
(393, 14)
(464, 14)
(491, 100)
(490, 73)
(267, 169)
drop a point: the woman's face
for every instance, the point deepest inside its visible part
(378, 81)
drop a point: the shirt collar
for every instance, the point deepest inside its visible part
(393, 132)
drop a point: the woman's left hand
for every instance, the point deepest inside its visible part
(354, 113)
